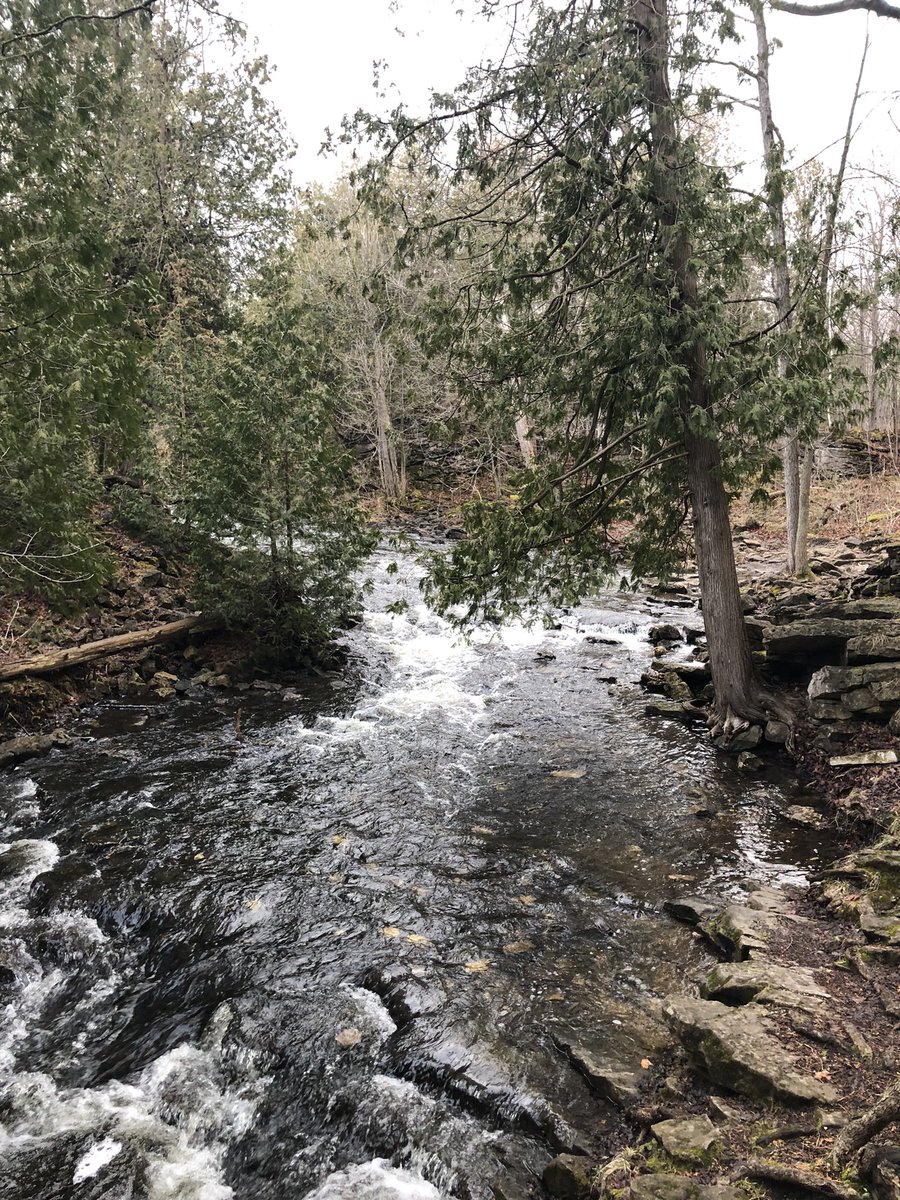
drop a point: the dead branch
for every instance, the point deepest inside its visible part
(74, 656)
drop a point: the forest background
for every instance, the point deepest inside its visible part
(199, 350)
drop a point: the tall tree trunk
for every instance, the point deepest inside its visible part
(526, 441)
(790, 459)
(781, 279)
(801, 543)
(392, 477)
(739, 696)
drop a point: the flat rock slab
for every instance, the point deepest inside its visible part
(687, 1138)
(680, 1187)
(739, 930)
(865, 758)
(613, 1081)
(739, 1054)
(765, 982)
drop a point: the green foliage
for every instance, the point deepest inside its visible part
(267, 477)
(69, 339)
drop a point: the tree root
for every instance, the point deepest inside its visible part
(855, 1135)
(728, 718)
(807, 1181)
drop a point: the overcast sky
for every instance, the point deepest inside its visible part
(323, 51)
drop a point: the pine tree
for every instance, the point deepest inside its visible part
(268, 477)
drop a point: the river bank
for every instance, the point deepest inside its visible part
(777, 1054)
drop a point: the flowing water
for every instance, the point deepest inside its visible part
(337, 956)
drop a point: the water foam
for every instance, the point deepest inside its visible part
(375, 1180)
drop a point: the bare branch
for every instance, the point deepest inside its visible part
(880, 7)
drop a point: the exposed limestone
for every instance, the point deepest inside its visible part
(686, 1138)
(739, 930)
(816, 641)
(802, 814)
(765, 982)
(865, 758)
(680, 1187)
(737, 1052)
(612, 1081)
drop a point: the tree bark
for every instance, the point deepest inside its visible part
(781, 279)
(525, 440)
(739, 696)
(75, 656)
(392, 478)
(801, 537)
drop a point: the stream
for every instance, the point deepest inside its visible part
(337, 956)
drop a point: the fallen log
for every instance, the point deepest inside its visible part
(75, 656)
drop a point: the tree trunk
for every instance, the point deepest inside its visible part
(739, 697)
(801, 537)
(389, 471)
(525, 440)
(781, 279)
(790, 459)
(75, 656)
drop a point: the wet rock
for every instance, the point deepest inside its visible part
(802, 814)
(737, 1052)
(664, 633)
(667, 683)
(749, 762)
(59, 889)
(744, 739)
(691, 909)
(504, 1188)
(675, 710)
(687, 1138)
(568, 1177)
(18, 749)
(611, 1081)
(765, 982)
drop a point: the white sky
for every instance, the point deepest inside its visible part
(323, 51)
